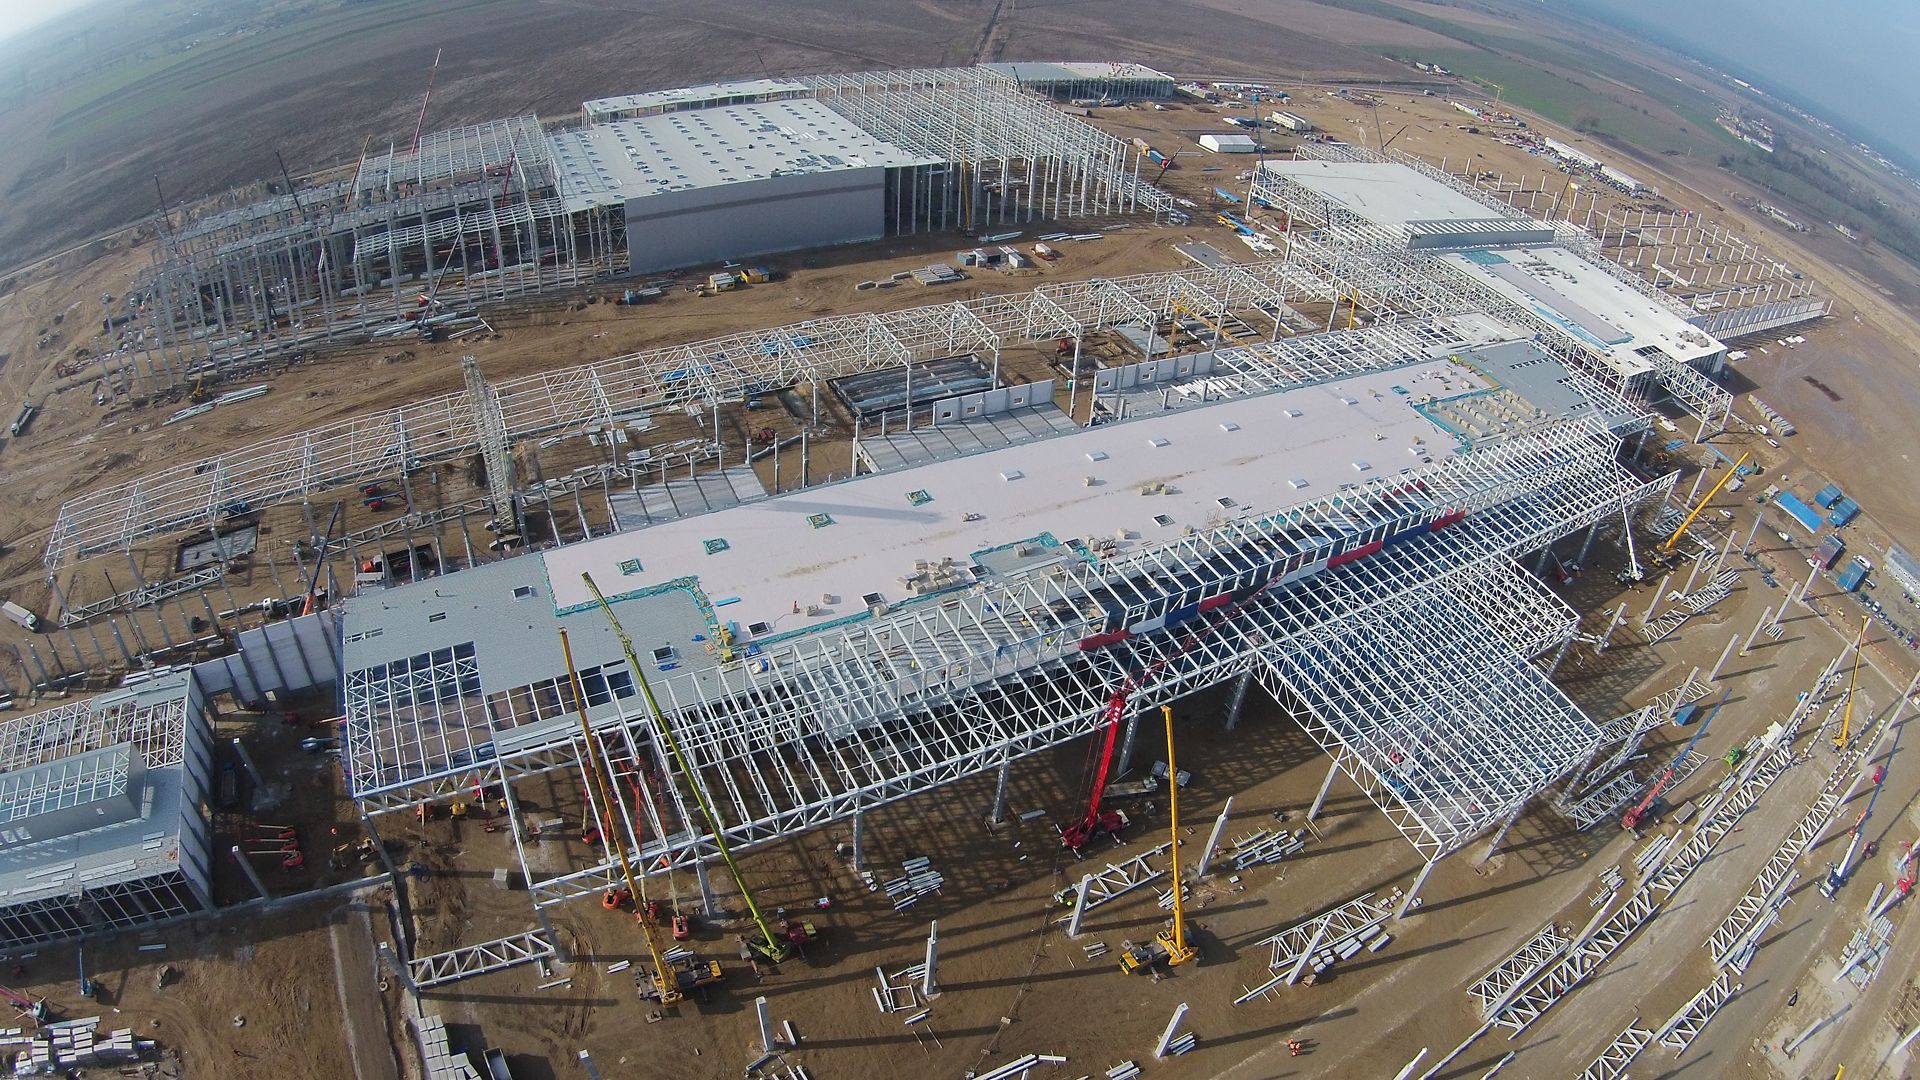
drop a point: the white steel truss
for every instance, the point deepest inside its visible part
(1613, 1061)
(157, 730)
(1602, 939)
(1685, 1026)
(1121, 878)
(1492, 990)
(593, 397)
(469, 960)
(1295, 947)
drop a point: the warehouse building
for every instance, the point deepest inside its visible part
(723, 182)
(101, 819)
(513, 208)
(1459, 246)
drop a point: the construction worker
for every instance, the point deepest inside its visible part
(1294, 1047)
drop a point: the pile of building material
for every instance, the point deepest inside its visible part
(895, 993)
(72, 1044)
(1020, 1067)
(442, 1062)
(938, 274)
(1860, 961)
(921, 879)
(1320, 942)
(1264, 847)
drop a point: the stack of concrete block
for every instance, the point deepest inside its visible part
(441, 1061)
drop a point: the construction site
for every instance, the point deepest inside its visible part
(1291, 605)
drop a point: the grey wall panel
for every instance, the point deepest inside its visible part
(782, 213)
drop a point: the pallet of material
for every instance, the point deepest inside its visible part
(938, 274)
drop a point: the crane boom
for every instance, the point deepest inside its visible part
(1096, 820)
(771, 945)
(1841, 740)
(665, 984)
(1715, 490)
(1178, 951)
(1631, 819)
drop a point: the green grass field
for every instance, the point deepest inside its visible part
(1569, 84)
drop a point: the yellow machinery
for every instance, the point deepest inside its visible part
(666, 984)
(774, 947)
(1170, 945)
(1715, 490)
(1841, 740)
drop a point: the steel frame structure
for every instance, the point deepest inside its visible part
(1433, 280)
(597, 396)
(481, 214)
(157, 730)
(883, 709)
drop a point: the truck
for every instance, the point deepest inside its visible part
(26, 619)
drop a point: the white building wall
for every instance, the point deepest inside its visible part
(758, 217)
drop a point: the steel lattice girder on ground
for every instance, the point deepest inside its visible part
(1490, 991)
(891, 708)
(1594, 946)
(479, 959)
(1613, 1061)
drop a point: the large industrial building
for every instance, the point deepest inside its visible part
(1415, 228)
(1336, 516)
(513, 208)
(103, 812)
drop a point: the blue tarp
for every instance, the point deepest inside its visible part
(1799, 511)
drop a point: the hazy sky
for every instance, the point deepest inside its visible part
(18, 15)
(1848, 61)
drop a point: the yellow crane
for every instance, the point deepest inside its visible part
(1170, 945)
(774, 947)
(1846, 715)
(666, 986)
(1715, 490)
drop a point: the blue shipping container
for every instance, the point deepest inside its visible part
(1827, 497)
(1843, 511)
(1808, 518)
(1852, 576)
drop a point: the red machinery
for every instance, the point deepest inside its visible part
(1098, 820)
(1631, 819)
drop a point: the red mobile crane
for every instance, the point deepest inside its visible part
(1098, 819)
(1631, 819)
